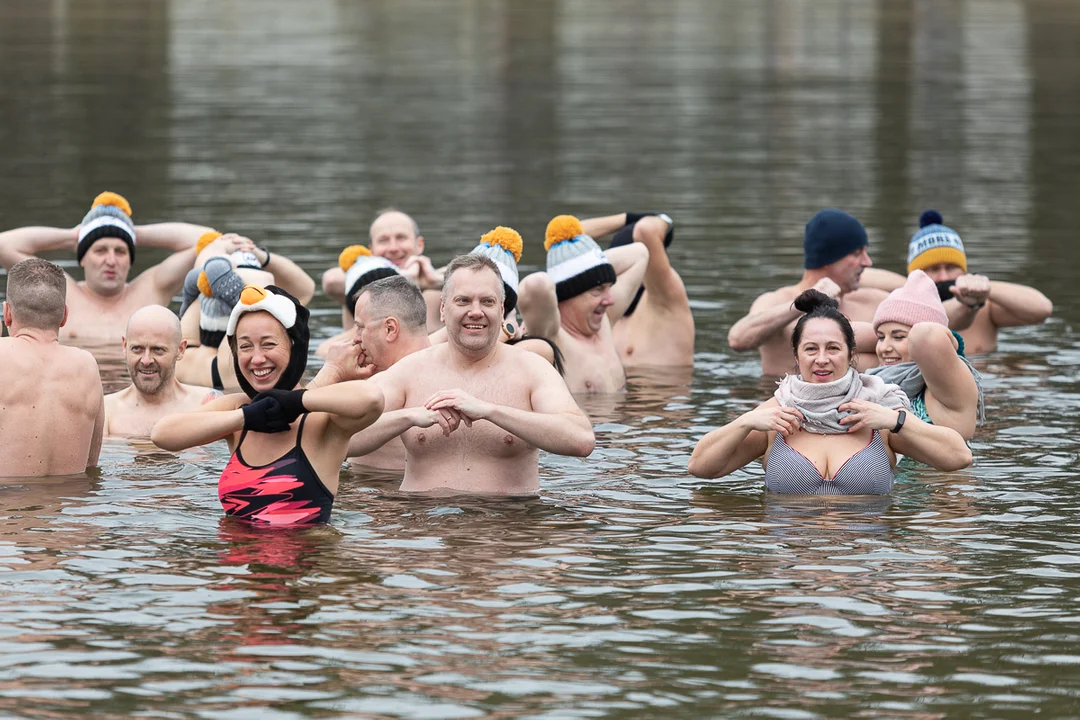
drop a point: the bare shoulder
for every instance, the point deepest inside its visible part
(80, 359)
(773, 298)
(198, 395)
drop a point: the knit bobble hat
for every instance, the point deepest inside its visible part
(362, 268)
(503, 245)
(574, 261)
(830, 235)
(917, 301)
(935, 243)
(109, 217)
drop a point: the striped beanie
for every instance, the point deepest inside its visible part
(109, 217)
(503, 245)
(574, 261)
(934, 244)
(362, 268)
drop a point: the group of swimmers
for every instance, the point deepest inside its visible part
(458, 376)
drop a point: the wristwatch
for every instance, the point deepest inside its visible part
(901, 415)
(509, 330)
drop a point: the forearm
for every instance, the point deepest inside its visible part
(714, 455)
(1022, 305)
(600, 226)
(173, 236)
(354, 399)
(183, 430)
(960, 315)
(20, 243)
(566, 433)
(386, 428)
(935, 445)
(758, 328)
(881, 279)
(290, 277)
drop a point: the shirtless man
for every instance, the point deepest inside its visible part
(152, 346)
(835, 249)
(100, 305)
(390, 323)
(52, 413)
(396, 237)
(977, 306)
(511, 402)
(658, 328)
(576, 301)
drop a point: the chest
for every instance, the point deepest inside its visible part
(828, 453)
(89, 317)
(594, 366)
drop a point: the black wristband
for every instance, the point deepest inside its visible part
(974, 308)
(263, 248)
(900, 417)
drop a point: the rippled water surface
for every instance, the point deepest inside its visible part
(628, 588)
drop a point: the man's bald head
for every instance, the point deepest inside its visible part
(154, 319)
(153, 344)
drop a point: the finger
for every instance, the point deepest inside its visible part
(442, 424)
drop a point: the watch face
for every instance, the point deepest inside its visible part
(509, 329)
(666, 218)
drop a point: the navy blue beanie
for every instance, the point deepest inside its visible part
(830, 235)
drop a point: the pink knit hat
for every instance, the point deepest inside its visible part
(918, 301)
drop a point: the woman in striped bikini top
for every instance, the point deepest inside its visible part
(833, 433)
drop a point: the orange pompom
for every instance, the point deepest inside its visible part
(116, 201)
(348, 256)
(204, 285)
(252, 294)
(562, 227)
(506, 238)
(205, 239)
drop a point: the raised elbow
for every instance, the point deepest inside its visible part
(699, 468)
(160, 437)
(739, 341)
(585, 444)
(1044, 310)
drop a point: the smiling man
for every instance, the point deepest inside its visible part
(104, 244)
(836, 252)
(152, 347)
(574, 304)
(496, 406)
(396, 237)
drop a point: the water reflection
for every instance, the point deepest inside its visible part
(626, 587)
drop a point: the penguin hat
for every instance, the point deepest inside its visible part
(293, 316)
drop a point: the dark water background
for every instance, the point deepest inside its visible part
(628, 589)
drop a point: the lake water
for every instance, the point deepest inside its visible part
(628, 588)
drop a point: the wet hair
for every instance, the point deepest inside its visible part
(475, 263)
(400, 298)
(817, 304)
(385, 210)
(37, 293)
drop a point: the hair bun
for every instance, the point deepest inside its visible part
(930, 217)
(810, 300)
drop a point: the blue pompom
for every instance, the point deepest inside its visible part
(930, 217)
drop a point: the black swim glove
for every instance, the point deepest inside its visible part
(291, 402)
(265, 415)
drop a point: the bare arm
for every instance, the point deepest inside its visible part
(737, 444)
(629, 262)
(99, 433)
(386, 428)
(768, 316)
(167, 277)
(933, 348)
(961, 316)
(1012, 305)
(215, 420)
(289, 276)
(352, 405)
(555, 423)
(936, 445)
(598, 227)
(881, 279)
(19, 244)
(175, 236)
(333, 284)
(539, 306)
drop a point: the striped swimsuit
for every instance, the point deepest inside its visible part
(867, 472)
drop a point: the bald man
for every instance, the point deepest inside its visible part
(152, 347)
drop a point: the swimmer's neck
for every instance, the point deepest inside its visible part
(35, 335)
(168, 394)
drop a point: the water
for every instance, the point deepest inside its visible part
(628, 589)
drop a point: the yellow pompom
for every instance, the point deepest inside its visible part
(116, 201)
(561, 227)
(204, 285)
(205, 239)
(506, 238)
(252, 294)
(348, 256)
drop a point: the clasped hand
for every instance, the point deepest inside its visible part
(866, 414)
(449, 409)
